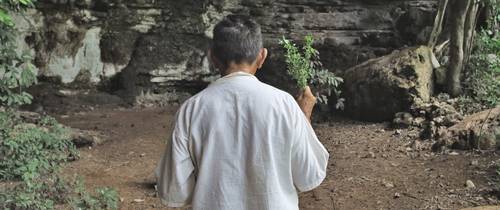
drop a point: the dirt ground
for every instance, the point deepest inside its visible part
(371, 166)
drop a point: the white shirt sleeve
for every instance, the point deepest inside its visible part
(309, 156)
(175, 173)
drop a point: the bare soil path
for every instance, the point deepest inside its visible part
(370, 167)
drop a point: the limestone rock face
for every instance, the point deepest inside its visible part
(382, 87)
(138, 46)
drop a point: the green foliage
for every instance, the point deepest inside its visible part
(7, 7)
(494, 19)
(32, 194)
(32, 154)
(28, 150)
(16, 73)
(46, 193)
(482, 75)
(299, 66)
(16, 69)
(104, 198)
(305, 68)
(485, 72)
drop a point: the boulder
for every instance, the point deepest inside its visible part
(477, 131)
(84, 138)
(379, 88)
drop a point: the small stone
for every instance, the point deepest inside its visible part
(419, 121)
(469, 184)
(474, 163)
(397, 195)
(438, 120)
(403, 119)
(370, 155)
(138, 200)
(143, 154)
(388, 184)
(454, 153)
(492, 57)
(417, 145)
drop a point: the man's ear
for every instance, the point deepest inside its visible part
(215, 62)
(262, 57)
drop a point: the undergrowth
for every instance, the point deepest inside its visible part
(16, 68)
(31, 155)
(482, 74)
(29, 150)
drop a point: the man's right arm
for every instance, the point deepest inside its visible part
(175, 173)
(309, 156)
(306, 101)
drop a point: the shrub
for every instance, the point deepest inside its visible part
(306, 69)
(484, 68)
(482, 76)
(16, 69)
(32, 154)
(28, 150)
(47, 193)
(31, 194)
(104, 198)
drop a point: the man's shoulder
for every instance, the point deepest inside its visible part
(259, 90)
(276, 91)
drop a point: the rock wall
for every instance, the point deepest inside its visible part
(137, 46)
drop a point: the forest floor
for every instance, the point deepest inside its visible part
(371, 166)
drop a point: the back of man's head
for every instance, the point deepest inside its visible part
(236, 39)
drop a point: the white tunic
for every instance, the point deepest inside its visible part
(240, 144)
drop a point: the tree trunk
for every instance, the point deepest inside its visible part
(470, 29)
(457, 21)
(438, 24)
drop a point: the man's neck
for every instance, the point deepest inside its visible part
(247, 68)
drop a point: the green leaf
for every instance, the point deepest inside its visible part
(5, 18)
(25, 2)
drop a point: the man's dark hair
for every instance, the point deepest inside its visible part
(238, 39)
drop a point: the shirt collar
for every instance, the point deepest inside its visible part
(233, 75)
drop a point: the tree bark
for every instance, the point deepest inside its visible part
(470, 29)
(438, 24)
(457, 22)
